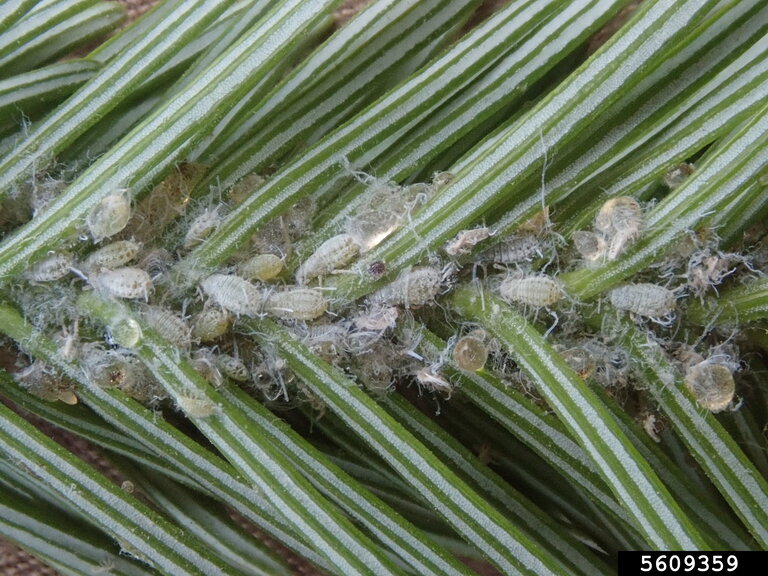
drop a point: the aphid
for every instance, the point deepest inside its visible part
(332, 254)
(202, 227)
(232, 368)
(466, 240)
(646, 300)
(169, 325)
(511, 250)
(156, 262)
(296, 304)
(211, 323)
(414, 288)
(125, 332)
(678, 175)
(261, 267)
(52, 267)
(712, 384)
(470, 353)
(536, 291)
(123, 282)
(196, 406)
(580, 360)
(109, 216)
(112, 255)
(234, 294)
(127, 486)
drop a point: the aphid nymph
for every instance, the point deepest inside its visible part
(123, 283)
(234, 294)
(109, 216)
(296, 304)
(644, 299)
(334, 253)
(536, 291)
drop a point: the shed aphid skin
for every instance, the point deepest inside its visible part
(109, 216)
(647, 300)
(233, 368)
(707, 269)
(262, 267)
(234, 294)
(591, 246)
(115, 369)
(470, 352)
(412, 289)
(204, 363)
(536, 291)
(130, 283)
(432, 380)
(53, 267)
(466, 240)
(712, 384)
(376, 318)
(334, 253)
(580, 360)
(676, 176)
(619, 221)
(169, 325)
(113, 255)
(210, 324)
(296, 304)
(45, 383)
(201, 227)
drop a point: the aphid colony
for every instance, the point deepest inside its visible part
(378, 341)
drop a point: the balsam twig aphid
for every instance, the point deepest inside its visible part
(512, 250)
(414, 288)
(123, 283)
(470, 352)
(536, 291)
(113, 255)
(296, 304)
(234, 294)
(261, 267)
(647, 300)
(712, 384)
(169, 325)
(212, 323)
(331, 255)
(109, 216)
(232, 368)
(201, 227)
(52, 267)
